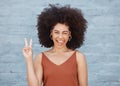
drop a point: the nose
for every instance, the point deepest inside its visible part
(60, 35)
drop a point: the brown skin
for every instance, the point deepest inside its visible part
(58, 54)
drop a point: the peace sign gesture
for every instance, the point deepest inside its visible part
(27, 50)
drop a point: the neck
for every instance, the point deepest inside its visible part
(63, 49)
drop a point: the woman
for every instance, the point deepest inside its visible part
(62, 30)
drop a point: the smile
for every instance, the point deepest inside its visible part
(60, 42)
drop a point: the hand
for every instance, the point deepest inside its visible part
(27, 50)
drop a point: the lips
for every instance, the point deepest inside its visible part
(60, 42)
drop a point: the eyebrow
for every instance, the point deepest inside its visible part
(63, 31)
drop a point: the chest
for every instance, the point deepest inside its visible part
(67, 66)
(59, 59)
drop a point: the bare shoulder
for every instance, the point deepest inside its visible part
(80, 57)
(38, 58)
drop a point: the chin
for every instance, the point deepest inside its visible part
(61, 46)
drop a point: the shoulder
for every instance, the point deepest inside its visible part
(38, 58)
(80, 57)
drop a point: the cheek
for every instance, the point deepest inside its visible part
(67, 38)
(54, 36)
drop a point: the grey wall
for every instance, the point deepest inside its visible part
(102, 45)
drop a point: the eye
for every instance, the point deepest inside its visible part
(56, 32)
(65, 33)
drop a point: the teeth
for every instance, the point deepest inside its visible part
(60, 41)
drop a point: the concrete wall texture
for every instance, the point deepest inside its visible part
(102, 46)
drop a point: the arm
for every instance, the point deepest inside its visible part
(31, 76)
(33, 70)
(38, 68)
(82, 69)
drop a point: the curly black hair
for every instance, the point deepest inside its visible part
(71, 17)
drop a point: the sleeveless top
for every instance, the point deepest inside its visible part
(64, 74)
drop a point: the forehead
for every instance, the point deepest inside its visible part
(61, 27)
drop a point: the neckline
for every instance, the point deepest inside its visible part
(62, 62)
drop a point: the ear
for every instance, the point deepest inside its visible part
(51, 34)
(51, 31)
(69, 33)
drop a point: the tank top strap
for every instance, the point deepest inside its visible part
(46, 60)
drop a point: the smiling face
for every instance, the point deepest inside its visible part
(60, 35)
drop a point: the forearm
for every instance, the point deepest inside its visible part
(31, 76)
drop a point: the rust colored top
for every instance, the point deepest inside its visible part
(64, 74)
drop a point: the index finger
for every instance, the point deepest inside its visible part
(26, 43)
